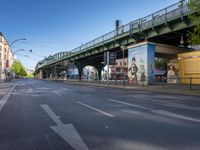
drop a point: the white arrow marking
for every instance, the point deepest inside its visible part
(129, 104)
(96, 109)
(66, 131)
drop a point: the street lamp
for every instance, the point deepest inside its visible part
(123, 48)
(9, 49)
(13, 54)
(22, 39)
(18, 51)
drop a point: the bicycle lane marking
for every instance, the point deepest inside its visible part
(4, 100)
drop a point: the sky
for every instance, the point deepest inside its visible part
(52, 26)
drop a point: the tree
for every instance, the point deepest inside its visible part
(194, 36)
(30, 75)
(18, 68)
(23, 72)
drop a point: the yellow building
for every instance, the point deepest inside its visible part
(189, 67)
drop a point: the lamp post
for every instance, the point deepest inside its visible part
(123, 48)
(13, 54)
(22, 39)
(9, 49)
(18, 51)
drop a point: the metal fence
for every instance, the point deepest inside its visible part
(187, 83)
(173, 84)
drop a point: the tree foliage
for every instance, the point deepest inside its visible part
(30, 75)
(18, 68)
(194, 36)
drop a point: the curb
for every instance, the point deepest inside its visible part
(139, 88)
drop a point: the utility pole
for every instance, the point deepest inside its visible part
(123, 69)
(123, 48)
(107, 67)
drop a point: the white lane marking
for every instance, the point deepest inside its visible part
(66, 131)
(129, 104)
(174, 115)
(96, 109)
(4, 100)
(161, 112)
(55, 92)
(183, 106)
(166, 103)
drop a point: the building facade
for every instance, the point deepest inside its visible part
(189, 67)
(6, 58)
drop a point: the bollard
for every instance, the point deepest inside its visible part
(163, 82)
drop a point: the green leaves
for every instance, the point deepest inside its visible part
(30, 75)
(194, 36)
(18, 68)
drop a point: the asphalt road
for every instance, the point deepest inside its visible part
(44, 115)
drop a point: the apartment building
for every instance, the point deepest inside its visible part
(6, 58)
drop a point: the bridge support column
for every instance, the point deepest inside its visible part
(55, 74)
(141, 63)
(40, 75)
(51, 73)
(80, 73)
(45, 74)
(80, 67)
(99, 68)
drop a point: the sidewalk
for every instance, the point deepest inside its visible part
(163, 88)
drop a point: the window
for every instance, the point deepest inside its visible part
(0, 40)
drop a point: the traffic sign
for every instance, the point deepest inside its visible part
(111, 56)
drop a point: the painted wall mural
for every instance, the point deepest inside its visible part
(141, 64)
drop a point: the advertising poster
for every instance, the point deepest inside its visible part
(141, 64)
